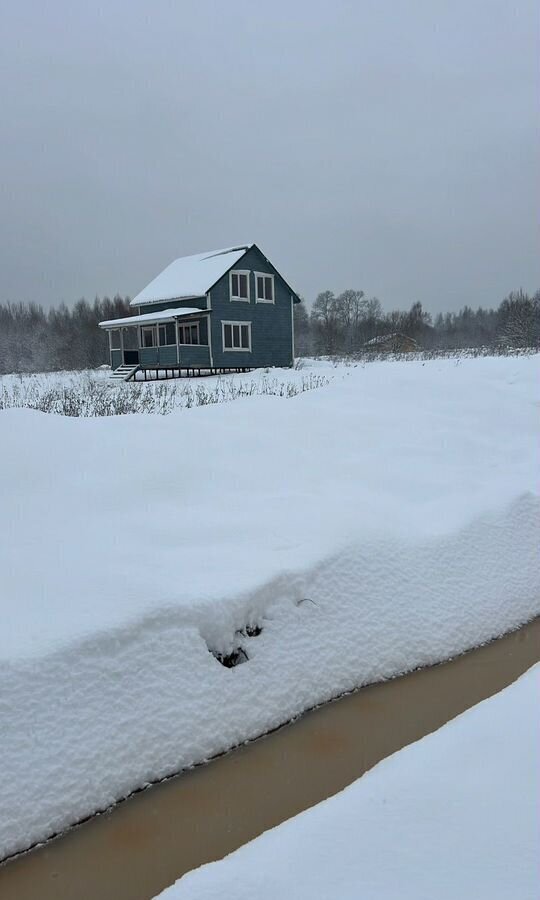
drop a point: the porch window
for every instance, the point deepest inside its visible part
(167, 334)
(239, 285)
(189, 334)
(148, 336)
(264, 285)
(116, 343)
(236, 336)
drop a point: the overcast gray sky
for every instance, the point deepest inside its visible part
(390, 146)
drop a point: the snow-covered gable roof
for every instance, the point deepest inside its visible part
(384, 338)
(190, 276)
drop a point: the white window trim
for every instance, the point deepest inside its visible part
(189, 325)
(119, 332)
(155, 337)
(240, 272)
(265, 275)
(235, 349)
(164, 325)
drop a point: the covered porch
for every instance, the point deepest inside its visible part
(170, 339)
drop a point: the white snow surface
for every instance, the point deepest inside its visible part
(190, 276)
(453, 815)
(164, 315)
(401, 499)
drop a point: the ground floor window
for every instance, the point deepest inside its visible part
(148, 336)
(130, 339)
(236, 335)
(189, 334)
(116, 343)
(167, 334)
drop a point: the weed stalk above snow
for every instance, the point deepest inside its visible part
(88, 396)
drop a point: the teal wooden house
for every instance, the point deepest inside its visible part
(221, 311)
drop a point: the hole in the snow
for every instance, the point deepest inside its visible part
(230, 660)
(249, 631)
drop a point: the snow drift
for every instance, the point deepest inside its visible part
(386, 521)
(453, 815)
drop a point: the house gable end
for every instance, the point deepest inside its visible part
(255, 260)
(270, 322)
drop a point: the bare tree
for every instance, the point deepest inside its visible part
(302, 339)
(324, 323)
(519, 319)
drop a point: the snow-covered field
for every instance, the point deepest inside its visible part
(388, 519)
(454, 815)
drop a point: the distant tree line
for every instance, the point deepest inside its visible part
(36, 340)
(344, 324)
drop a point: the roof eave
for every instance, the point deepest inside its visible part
(137, 302)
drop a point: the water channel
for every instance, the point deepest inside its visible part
(149, 840)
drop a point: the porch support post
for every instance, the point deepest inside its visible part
(209, 328)
(292, 330)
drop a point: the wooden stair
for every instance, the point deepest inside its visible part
(124, 373)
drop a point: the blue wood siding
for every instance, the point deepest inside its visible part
(167, 355)
(197, 303)
(116, 358)
(271, 323)
(190, 355)
(194, 355)
(148, 356)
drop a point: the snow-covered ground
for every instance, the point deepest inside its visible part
(454, 815)
(384, 521)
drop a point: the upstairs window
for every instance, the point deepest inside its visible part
(239, 285)
(236, 336)
(264, 288)
(189, 334)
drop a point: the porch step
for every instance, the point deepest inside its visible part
(123, 373)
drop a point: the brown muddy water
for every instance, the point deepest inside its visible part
(149, 840)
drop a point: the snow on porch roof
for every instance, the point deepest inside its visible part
(165, 315)
(190, 276)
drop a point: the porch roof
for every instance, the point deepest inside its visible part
(166, 315)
